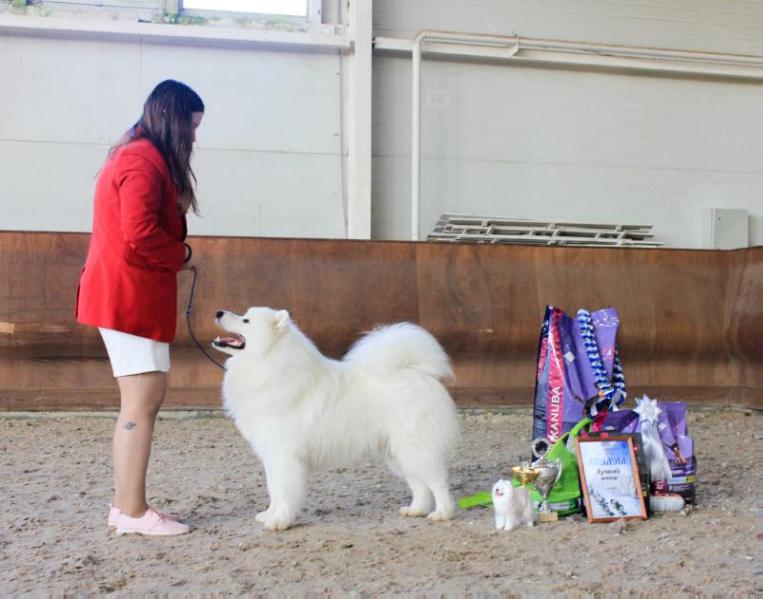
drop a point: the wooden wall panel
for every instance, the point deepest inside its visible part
(691, 325)
(744, 330)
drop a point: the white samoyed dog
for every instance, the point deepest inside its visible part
(303, 412)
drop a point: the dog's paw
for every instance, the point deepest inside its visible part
(411, 512)
(262, 516)
(439, 516)
(273, 523)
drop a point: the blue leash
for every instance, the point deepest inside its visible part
(613, 391)
(188, 319)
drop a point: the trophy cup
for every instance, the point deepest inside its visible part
(524, 474)
(548, 474)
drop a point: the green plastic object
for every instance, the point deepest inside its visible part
(565, 498)
(483, 499)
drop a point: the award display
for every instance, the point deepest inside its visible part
(610, 479)
(548, 475)
(524, 474)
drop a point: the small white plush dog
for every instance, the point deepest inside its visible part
(513, 506)
(302, 412)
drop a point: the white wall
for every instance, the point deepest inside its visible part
(571, 145)
(499, 140)
(268, 151)
(562, 145)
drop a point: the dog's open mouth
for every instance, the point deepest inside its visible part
(233, 341)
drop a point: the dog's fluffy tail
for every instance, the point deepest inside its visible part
(399, 346)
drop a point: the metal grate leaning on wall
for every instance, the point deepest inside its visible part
(490, 229)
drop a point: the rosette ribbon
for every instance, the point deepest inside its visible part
(612, 392)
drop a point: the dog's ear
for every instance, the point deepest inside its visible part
(282, 320)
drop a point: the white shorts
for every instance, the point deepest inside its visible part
(130, 354)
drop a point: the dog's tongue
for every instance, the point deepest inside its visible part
(230, 341)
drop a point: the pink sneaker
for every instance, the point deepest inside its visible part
(152, 523)
(115, 512)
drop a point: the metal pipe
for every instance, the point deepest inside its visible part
(642, 52)
(511, 43)
(564, 53)
(416, 138)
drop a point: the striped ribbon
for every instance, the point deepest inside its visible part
(612, 392)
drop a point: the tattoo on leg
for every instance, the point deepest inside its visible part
(129, 426)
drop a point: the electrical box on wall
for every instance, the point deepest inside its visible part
(729, 229)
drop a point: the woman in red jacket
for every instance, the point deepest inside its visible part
(128, 286)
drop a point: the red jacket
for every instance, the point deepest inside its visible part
(129, 281)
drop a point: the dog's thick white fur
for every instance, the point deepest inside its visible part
(302, 412)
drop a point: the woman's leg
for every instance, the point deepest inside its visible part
(141, 397)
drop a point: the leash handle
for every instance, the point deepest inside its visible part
(188, 310)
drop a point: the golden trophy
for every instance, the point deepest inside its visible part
(543, 475)
(524, 474)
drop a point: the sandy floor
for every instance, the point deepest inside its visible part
(53, 536)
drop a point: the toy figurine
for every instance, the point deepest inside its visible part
(513, 506)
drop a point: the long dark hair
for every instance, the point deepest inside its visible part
(166, 123)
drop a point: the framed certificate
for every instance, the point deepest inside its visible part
(609, 478)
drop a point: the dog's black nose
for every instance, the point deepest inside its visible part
(220, 314)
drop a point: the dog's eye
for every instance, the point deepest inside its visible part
(246, 320)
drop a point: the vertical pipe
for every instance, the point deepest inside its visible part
(511, 43)
(416, 136)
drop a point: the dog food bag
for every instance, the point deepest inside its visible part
(679, 448)
(622, 421)
(676, 442)
(566, 383)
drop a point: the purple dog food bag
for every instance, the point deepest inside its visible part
(679, 449)
(676, 443)
(622, 421)
(565, 383)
